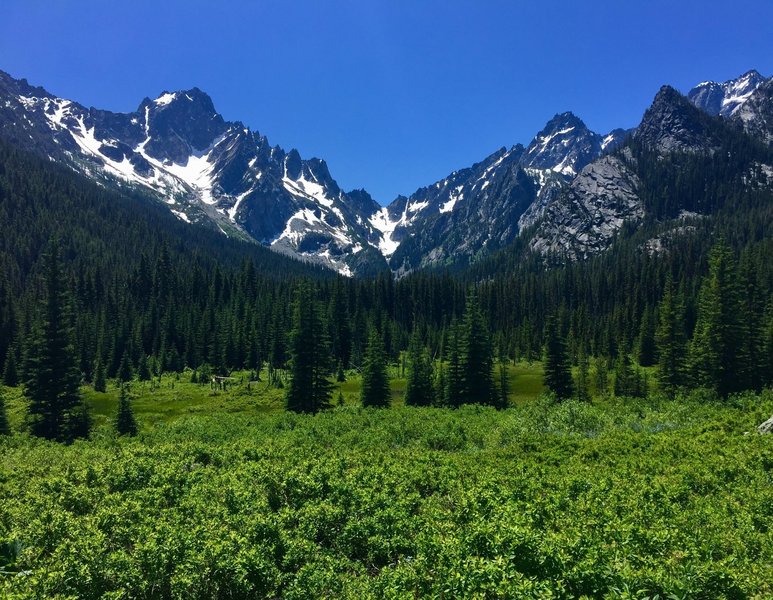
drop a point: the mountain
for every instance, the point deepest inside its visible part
(207, 170)
(680, 162)
(477, 210)
(756, 114)
(725, 98)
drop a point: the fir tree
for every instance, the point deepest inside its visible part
(310, 387)
(558, 372)
(624, 383)
(143, 371)
(418, 390)
(10, 373)
(717, 352)
(671, 341)
(504, 383)
(582, 385)
(100, 383)
(456, 382)
(375, 383)
(601, 378)
(52, 387)
(125, 423)
(477, 357)
(125, 370)
(646, 351)
(5, 428)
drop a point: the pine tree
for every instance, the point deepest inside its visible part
(418, 390)
(625, 380)
(375, 382)
(504, 383)
(671, 341)
(10, 373)
(456, 383)
(558, 372)
(601, 375)
(100, 383)
(52, 384)
(310, 388)
(582, 385)
(5, 428)
(125, 423)
(125, 370)
(717, 352)
(478, 357)
(143, 371)
(646, 351)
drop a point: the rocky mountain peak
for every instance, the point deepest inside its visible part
(564, 145)
(725, 98)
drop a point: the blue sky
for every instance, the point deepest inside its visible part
(393, 94)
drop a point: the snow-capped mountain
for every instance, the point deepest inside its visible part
(207, 170)
(571, 189)
(725, 98)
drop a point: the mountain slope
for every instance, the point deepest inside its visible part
(725, 99)
(207, 170)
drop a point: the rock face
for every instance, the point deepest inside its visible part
(584, 219)
(672, 124)
(756, 114)
(766, 427)
(725, 98)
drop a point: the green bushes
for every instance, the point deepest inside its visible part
(630, 499)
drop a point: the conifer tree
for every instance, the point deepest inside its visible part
(310, 388)
(582, 385)
(671, 341)
(418, 390)
(477, 357)
(56, 409)
(504, 383)
(646, 350)
(456, 381)
(125, 370)
(375, 382)
(5, 428)
(125, 423)
(10, 373)
(100, 383)
(558, 372)
(143, 371)
(625, 378)
(717, 353)
(601, 378)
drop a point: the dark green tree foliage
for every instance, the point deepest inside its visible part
(503, 386)
(5, 428)
(56, 409)
(478, 363)
(100, 379)
(10, 372)
(718, 356)
(582, 384)
(601, 375)
(628, 380)
(646, 351)
(375, 382)
(125, 370)
(419, 389)
(558, 370)
(456, 385)
(125, 423)
(671, 341)
(310, 387)
(143, 370)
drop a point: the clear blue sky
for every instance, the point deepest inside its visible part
(393, 94)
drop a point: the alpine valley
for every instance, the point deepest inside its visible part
(565, 195)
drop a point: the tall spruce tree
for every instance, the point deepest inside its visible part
(56, 409)
(478, 358)
(10, 372)
(310, 387)
(582, 385)
(125, 423)
(647, 351)
(5, 428)
(456, 384)
(718, 356)
(100, 377)
(418, 389)
(375, 382)
(558, 370)
(671, 341)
